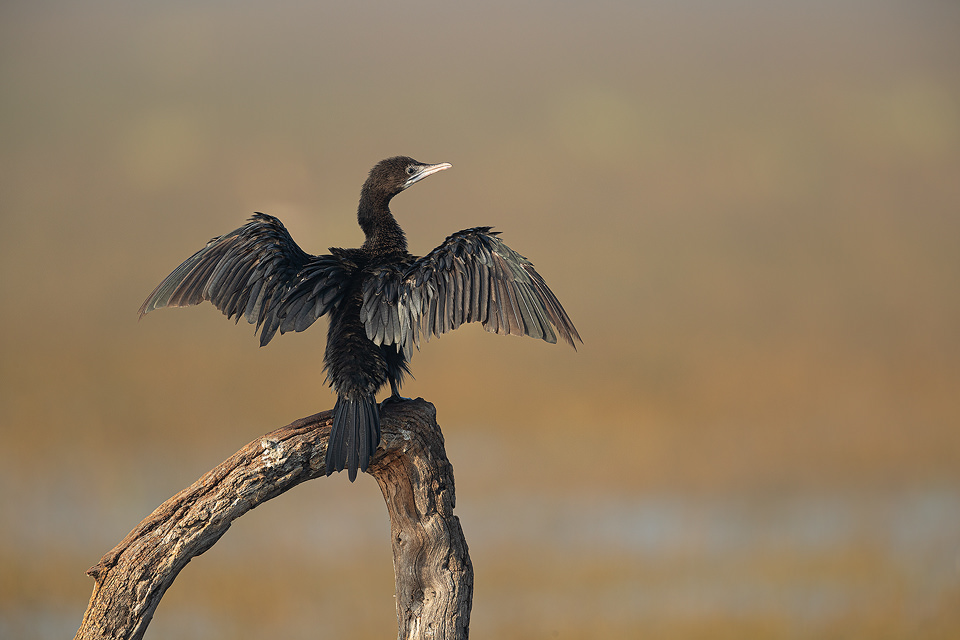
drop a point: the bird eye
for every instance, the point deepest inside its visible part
(411, 170)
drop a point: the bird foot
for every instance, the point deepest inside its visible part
(392, 399)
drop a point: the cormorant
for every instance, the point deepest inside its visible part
(379, 297)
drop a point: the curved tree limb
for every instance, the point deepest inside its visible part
(434, 577)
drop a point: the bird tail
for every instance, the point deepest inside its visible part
(354, 436)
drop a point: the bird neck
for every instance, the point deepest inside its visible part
(382, 231)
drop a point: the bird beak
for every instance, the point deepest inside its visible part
(426, 170)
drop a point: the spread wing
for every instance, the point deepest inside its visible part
(258, 272)
(471, 277)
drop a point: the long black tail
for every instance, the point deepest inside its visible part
(354, 436)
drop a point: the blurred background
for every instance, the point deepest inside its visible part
(751, 210)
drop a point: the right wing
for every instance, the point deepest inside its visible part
(472, 277)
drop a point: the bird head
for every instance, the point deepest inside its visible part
(391, 176)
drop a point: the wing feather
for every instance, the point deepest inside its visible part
(471, 277)
(257, 272)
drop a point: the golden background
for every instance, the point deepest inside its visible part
(750, 210)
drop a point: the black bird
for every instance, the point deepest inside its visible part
(379, 297)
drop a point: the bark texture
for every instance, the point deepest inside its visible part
(434, 577)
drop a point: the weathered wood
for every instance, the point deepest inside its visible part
(431, 564)
(434, 577)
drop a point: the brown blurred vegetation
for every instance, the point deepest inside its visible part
(751, 212)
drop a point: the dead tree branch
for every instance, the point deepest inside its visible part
(434, 577)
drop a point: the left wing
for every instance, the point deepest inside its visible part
(257, 272)
(471, 277)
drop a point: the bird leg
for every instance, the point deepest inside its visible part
(395, 393)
